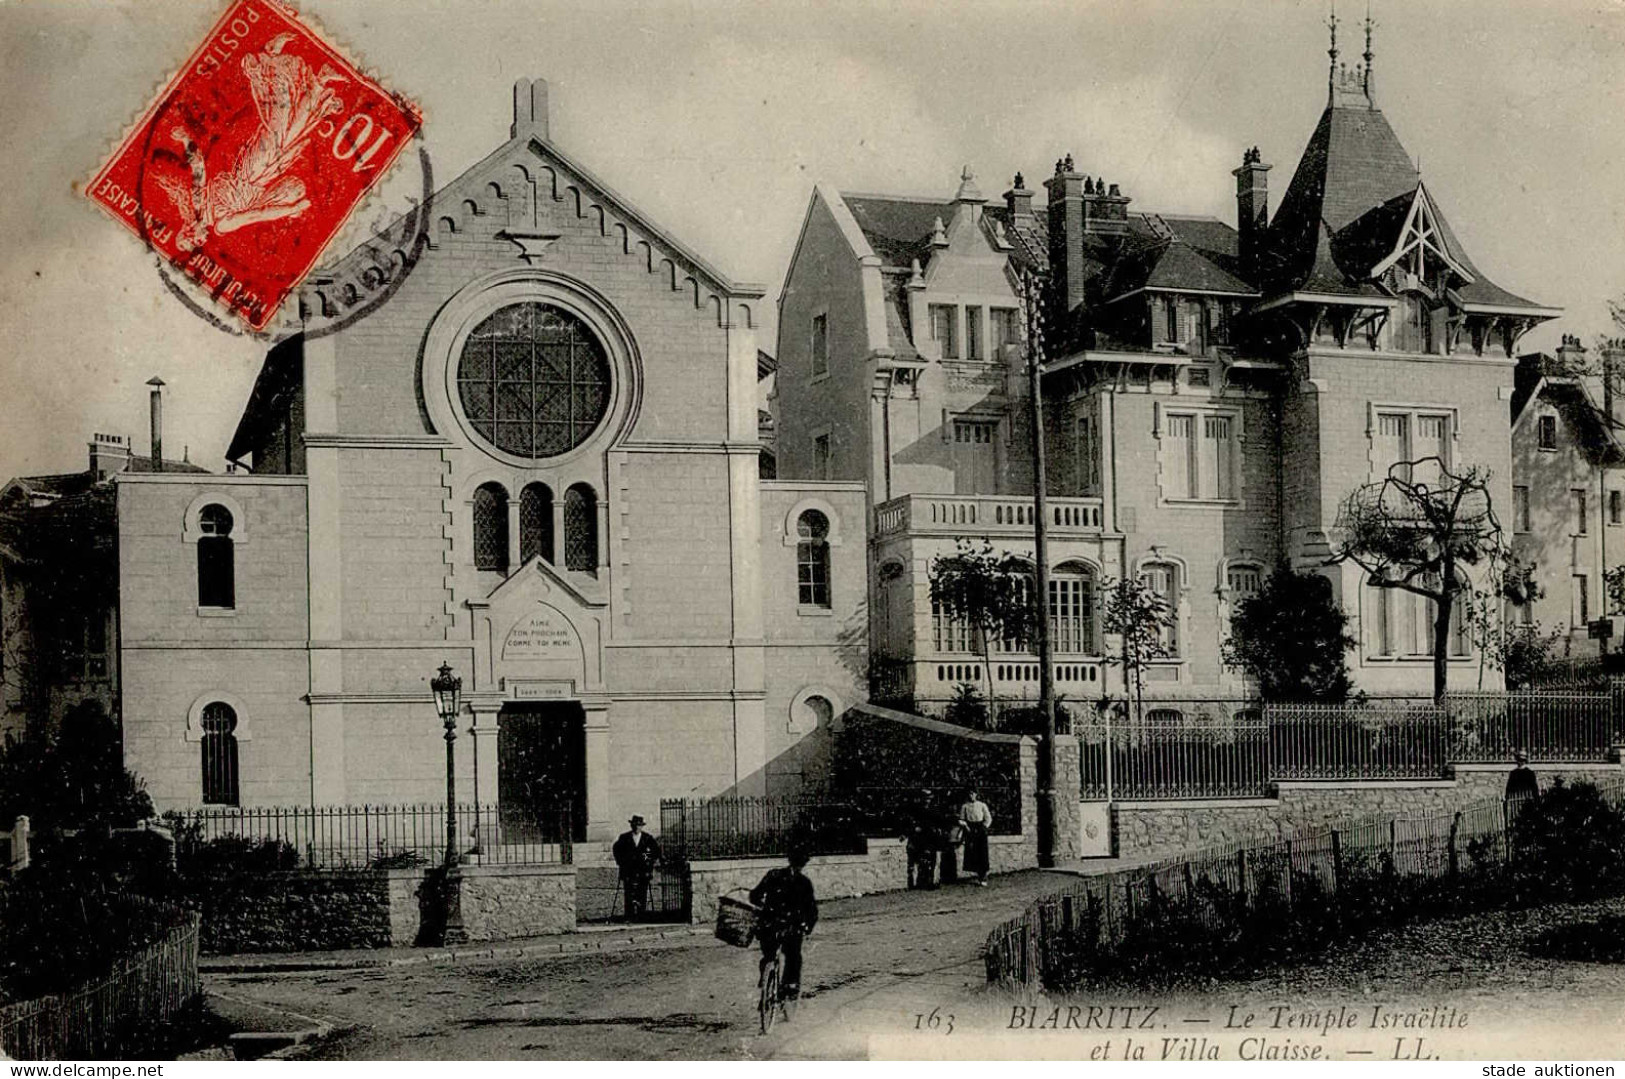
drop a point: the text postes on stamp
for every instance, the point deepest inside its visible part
(249, 162)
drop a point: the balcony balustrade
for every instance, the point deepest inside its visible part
(989, 515)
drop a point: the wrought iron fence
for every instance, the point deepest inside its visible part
(1489, 727)
(755, 827)
(1332, 865)
(99, 1019)
(1390, 740)
(371, 836)
(1161, 761)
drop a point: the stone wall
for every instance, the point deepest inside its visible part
(1153, 829)
(293, 911)
(503, 902)
(835, 876)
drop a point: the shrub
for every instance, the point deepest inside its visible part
(1568, 844)
(232, 855)
(968, 708)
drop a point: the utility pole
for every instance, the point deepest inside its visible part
(1032, 295)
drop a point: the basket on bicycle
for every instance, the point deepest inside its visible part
(736, 921)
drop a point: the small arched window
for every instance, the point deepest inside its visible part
(491, 527)
(536, 522)
(216, 558)
(812, 559)
(219, 754)
(1162, 579)
(581, 529)
(1165, 717)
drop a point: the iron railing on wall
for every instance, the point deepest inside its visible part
(1156, 761)
(757, 827)
(1237, 749)
(101, 1018)
(380, 836)
(1100, 910)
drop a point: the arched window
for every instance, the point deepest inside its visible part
(219, 754)
(216, 560)
(536, 522)
(581, 529)
(1165, 717)
(1162, 578)
(812, 559)
(1072, 609)
(491, 527)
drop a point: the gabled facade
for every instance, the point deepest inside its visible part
(1212, 392)
(1568, 496)
(526, 443)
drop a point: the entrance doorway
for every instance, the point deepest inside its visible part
(542, 770)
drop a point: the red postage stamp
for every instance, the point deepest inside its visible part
(246, 166)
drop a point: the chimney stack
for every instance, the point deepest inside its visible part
(157, 385)
(529, 109)
(1018, 200)
(109, 454)
(1252, 209)
(1066, 224)
(1613, 367)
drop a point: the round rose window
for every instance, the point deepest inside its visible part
(533, 380)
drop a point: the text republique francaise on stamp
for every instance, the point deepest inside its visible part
(245, 167)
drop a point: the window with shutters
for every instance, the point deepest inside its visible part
(950, 632)
(219, 753)
(1243, 581)
(536, 522)
(1520, 509)
(1087, 449)
(1004, 329)
(1404, 435)
(1579, 601)
(1546, 432)
(1403, 624)
(216, 559)
(581, 529)
(1167, 319)
(1162, 578)
(491, 527)
(1018, 643)
(944, 327)
(812, 559)
(1200, 455)
(820, 458)
(1580, 520)
(1616, 508)
(973, 333)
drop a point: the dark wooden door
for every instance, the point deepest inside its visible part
(542, 770)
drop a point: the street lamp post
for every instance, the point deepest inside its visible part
(1031, 291)
(448, 692)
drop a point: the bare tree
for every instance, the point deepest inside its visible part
(1141, 619)
(1420, 529)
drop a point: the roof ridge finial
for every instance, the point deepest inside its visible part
(1331, 78)
(1368, 56)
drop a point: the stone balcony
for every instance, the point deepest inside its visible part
(990, 515)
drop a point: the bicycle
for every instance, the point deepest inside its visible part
(769, 999)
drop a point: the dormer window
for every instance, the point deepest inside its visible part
(944, 323)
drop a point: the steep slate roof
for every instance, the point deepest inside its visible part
(898, 227)
(1345, 207)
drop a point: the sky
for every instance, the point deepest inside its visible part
(717, 117)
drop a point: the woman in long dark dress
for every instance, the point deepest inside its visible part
(978, 818)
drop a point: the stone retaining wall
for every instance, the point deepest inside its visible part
(835, 876)
(502, 902)
(1152, 829)
(292, 911)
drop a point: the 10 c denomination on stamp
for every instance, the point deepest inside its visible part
(252, 158)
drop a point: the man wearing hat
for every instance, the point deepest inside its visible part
(636, 853)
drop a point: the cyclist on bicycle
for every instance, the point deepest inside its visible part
(787, 910)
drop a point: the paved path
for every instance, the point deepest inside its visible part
(875, 963)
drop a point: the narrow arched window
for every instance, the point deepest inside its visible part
(216, 559)
(219, 754)
(581, 529)
(1072, 609)
(536, 522)
(812, 559)
(491, 527)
